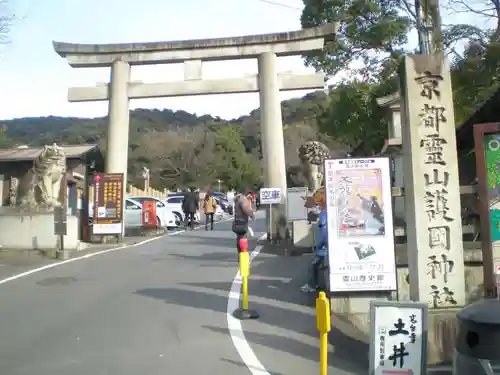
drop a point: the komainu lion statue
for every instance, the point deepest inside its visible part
(312, 155)
(41, 186)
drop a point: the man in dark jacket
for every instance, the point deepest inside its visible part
(190, 206)
(242, 213)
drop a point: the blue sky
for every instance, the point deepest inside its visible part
(35, 79)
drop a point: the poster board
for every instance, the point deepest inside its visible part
(296, 200)
(361, 247)
(108, 203)
(398, 338)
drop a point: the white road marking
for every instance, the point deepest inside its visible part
(90, 255)
(241, 344)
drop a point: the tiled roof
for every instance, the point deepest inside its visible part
(30, 153)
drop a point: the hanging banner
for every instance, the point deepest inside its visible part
(108, 198)
(360, 226)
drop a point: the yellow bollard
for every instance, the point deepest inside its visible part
(323, 324)
(244, 259)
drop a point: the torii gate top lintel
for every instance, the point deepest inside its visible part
(240, 47)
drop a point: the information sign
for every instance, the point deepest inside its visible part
(398, 339)
(108, 200)
(270, 196)
(296, 203)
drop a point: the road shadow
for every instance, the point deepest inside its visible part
(268, 265)
(283, 248)
(285, 275)
(271, 288)
(212, 240)
(241, 364)
(339, 359)
(270, 315)
(347, 349)
(222, 256)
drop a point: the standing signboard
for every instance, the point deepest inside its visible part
(492, 159)
(270, 196)
(398, 338)
(360, 226)
(149, 218)
(60, 221)
(108, 198)
(296, 203)
(487, 152)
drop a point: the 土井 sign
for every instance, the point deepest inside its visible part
(270, 196)
(398, 340)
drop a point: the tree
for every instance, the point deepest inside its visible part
(480, 9)
(354, 117)
(475, 77)
(5, 142)
(232, 164)
(370, 31)
(180, 148)
(7, 18)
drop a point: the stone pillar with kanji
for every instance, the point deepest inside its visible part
(432, 198)
(432, 191)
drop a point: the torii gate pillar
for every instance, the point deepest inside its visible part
(117, 141)
(271, 123)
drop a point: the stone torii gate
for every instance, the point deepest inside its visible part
(192, 53)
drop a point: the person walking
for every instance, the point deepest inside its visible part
(242, 212)
(190, 206)
(320, 250)
(209, 207)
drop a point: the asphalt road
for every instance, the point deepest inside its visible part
(133, 311)
(160, 308)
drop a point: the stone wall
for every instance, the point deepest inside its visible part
(442, 322)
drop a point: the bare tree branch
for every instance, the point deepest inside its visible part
(7, 19)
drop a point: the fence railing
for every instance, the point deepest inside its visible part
(135, 191)
(468, 228)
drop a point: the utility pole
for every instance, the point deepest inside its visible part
(428, 17)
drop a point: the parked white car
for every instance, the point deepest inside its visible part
(219, 213)
(166, 216)
(132, 214)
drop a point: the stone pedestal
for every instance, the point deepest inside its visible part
(303, 233)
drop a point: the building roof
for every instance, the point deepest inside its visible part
(486, 113)
(30, 153)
